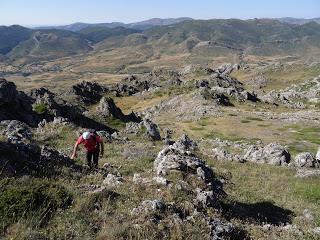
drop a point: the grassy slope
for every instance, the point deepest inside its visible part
(107, 216)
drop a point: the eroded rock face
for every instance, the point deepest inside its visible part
(273, 154)
(15, 105)
(296, 96)
(132, 85)
(306, 159)
(221, 86)
(89, 92)
(107, 108)
(58, 108)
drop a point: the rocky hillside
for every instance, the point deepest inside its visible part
(199, 152)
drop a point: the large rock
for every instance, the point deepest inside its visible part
(220, 230)
(206, 199)
(19, 159)
(16, 105)
(273, 154)
(107, 108)
(306, 159)
(177, 158)
(171, 158)
(57, 107)
(89, 92)
(16, 131)
(185, 143)
(152, 129)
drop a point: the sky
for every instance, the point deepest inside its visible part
(59, 12)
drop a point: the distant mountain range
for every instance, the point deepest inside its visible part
(75, 27)
(167, 36)
(298, 21)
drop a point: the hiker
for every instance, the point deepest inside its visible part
(93, 145)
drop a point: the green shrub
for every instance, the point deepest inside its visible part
(30, 199)
(40, 108)
(245, 121)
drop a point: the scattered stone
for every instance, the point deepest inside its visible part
(149, 206)
(112, 180)
(221, 154)
(308, 215)
(306, 159)
(303, 173)
(133, 128)
(161, 180)
(316, 231)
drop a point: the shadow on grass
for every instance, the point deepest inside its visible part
(260, 212)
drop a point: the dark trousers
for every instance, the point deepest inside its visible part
(92, 158)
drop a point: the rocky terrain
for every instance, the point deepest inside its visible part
(223, 147)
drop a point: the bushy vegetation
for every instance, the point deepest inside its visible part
(40, 108)
(30, 199)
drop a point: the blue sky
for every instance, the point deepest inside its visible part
(52, 12)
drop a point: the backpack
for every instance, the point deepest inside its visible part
(94, 134)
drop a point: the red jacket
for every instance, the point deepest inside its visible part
(91, 144)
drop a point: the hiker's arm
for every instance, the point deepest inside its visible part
(102, 149)
(75, 149)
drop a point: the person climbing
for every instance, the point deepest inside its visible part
(93, 145)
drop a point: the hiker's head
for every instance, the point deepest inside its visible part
(86, 135)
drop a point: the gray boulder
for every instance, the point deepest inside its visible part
(221, 231)
(149, 206)
(112, 180)
(185, 143)
(173, 159)
(273, 154)
(152, 129)
(306, 159)
(16, 131)
(206, 199)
